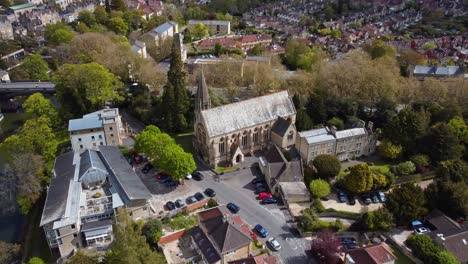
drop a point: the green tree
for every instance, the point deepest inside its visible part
(328, 166)
(453, 170)
(299, 55)
(129, 245)
(38, 106)
(35, 68)
(175, 99)
(100, 14)
(58, 33)
(6, 3)
(118, 25)
(406, 202)
(379, 220)
(362, 179)
(218, 49)
(152, 230)
(389, 150)
(429, 45)
(319, 188)
(176, 162)
(458, 126)
(9, 253)
(380, 49)
(199, 31)
(442, 143)
(83, 88)
(421, 161)
(153, 143)
(405, 168)
(80, 257)
(87, 17)
(336, 122)
(449, 197)
(35, 260)
(424, 248)
(118, 5)
(303, 120)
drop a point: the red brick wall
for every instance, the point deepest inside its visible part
(171, 237)
(194, 206)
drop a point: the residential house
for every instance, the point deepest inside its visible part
(36, 20)
(149, 7)
(6, 30)
(100, 128)
(72, 10)
(247, 42)
(449, 234)
(260, 259)
(161, 33)
(85, 192)
(375, 254)
(421, 71)
(345, 144)
(139, 48)
(221, 237)
(225, 134)
(215, 27)
(21, 9)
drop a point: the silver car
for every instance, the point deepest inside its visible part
(274, 244)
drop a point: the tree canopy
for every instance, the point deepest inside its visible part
(38, 106)
(327, 246)
(32, 68)
(58, 33)
(428, 251)
(442, 143)
(389, 150)
(199, 31)
(319, 188)
(362, 179)
(406, 202)
(328, 166)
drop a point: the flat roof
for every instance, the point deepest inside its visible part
(23, 6)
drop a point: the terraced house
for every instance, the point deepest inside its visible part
(86, 190)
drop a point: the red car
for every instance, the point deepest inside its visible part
(264, 195)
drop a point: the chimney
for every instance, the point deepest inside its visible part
(333, 130)
(370, 126)
(361, 123)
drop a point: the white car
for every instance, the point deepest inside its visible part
(188, 177)
(274, 244)
(421, 230)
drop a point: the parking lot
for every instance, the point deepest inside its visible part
(359, 207)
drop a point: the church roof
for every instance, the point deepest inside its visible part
(236, 116)
(281, 126)
(203, 94)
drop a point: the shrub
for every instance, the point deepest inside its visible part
(166, 220)
(319, 188)
(429, 252)
(390, 178)
(328, 166)
(336, 122)
(405, 168)
(211, 203)
(389, 150)
(317, 204)
(420, 160)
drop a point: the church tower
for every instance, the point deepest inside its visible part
(202, 98)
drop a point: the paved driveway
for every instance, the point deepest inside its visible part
(236, 187)
(359, 207)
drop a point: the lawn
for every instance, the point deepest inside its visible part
(185, 141)
(383, 166)
(402, 258)
(182, 221)
(225, 169)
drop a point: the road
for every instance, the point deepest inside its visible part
(275, 219)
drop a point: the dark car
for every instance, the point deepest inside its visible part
(147, 168)
(199, 196)
(165, 179)
(170, 206)
(259, 185)
(375, 198)
(258, 180)
(351, 199)
(326, 198)
(349, 242)
(179, 203)
(261, 230)
(366, 199)
(196, 175)
(210, 192)
(233, 207)
(341, 197)
(259, 190)
(130, 161)
(172, 183)
(191, 200)
(269, 201)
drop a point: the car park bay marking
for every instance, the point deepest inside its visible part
(291, 243)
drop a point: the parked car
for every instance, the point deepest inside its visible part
(191, 200)
(147, 168)
(269, 201)
(188, 177)
(419, 227)
(197, 176)
(262, 231)
(264, 195)
(366, 199)
(326, 198)
(179, 203)
(130, 161)
(382, 197)
(199, 196)
(274, 244)
(260, 190)
(421, 230)
(170, 206)
(165, 179)
(349, 242)
(258, 180)
(342, 197)
(260, 185)
(172, 183)
(233, 207)
(210, 192)
(351, 199)
(375, 198)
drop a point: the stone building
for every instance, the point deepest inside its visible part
(227, 133)
(6, 30)
(214, 27)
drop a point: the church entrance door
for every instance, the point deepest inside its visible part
(238, 158)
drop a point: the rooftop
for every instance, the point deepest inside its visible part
(23, 6)
(93, 120)
(375, 254)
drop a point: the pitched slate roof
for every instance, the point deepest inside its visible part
(244, 114)
(57, 194)
(122, 175)
(350, 132)
(281, 126)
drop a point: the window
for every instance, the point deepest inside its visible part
(266, 135)
(92, 130)
(221, 146)
(244, 140)
(110, 128)
(255, 137)
(72, 226)
(100, 136)
(343, 148)
(291, 136)
(79, 139)
(94, 144)
(92, 137)
(358, 145)
(75, 235)
(81, 146)
(100, 143)
(111, 135)
(329, 151)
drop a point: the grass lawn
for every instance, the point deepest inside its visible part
(225, 169)
(183, 220)
(383, 166)
(185, 141)
(402, 258)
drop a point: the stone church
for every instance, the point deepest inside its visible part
(227, 133)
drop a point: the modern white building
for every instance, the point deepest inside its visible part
(215, 27)
(139, 47)
(100, 128)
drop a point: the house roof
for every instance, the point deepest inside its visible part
(281, 126)
(375, 254)
(57, 194)
(260, 259)
(224, 231)
(23, 6)
(91, 168)
(96, 224)
(84, 123)
(456, 244)
(437, 71)
(317, 135)
(161, 29)
(350, 132)
(294, 188)
(282, 170)
(122, 174)
(236, 116)
(209, 252)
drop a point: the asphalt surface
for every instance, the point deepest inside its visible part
(275, 219)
